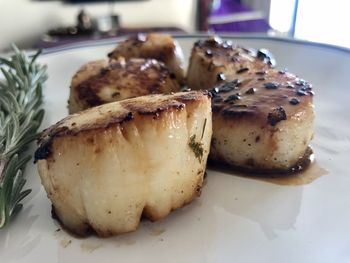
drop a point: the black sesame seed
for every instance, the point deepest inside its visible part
(216, 90)
(209, 53)
(217, 99)
(185, 89)
(235, 82)
(262, 54)
(294, 101)
(290, 86)
(220, 76)
(300, 82)
(232, 98)
(226, 88)
(261, 79)
(242, 70)
(271, 62)
(301, 92)
(227, 44)
(308, 88)
(214, 41)
(213, 94)
(234, 58)
(250, 91)
(247, 51)
(271, 85)
(260, 72)
(282, 71)
(265, 56)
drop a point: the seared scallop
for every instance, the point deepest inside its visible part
(106, 167)
(100, 82)
(154, 45)
(262, 122)
(213, 61)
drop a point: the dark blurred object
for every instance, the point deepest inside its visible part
(50, 41)
(84, 22)
(203, 11)
(108, 24)
(85, 26)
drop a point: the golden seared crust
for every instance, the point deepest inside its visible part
(87, 70)
(214, 60)
(154, 45)
(100, 82)
(107, 167)
(115, 113)
(266, 98)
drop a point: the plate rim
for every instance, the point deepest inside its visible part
(114, 40)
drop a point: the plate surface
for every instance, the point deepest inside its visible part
(236, 219)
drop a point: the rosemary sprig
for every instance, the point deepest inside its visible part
(21, 114)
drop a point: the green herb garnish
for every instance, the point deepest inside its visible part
(21, 114)
(197, 148)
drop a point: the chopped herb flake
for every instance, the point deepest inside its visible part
(197, 147)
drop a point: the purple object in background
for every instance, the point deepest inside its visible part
(232, 16)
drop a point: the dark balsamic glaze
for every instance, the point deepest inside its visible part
(259, 173)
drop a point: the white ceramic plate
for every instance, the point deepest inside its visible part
(236, 219)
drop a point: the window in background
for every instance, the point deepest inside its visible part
(323, 21)
(313, 20)
(282, 15)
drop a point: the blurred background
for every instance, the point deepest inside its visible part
(51, 23)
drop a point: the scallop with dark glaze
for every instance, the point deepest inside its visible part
(214, 61)
(262, 126)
